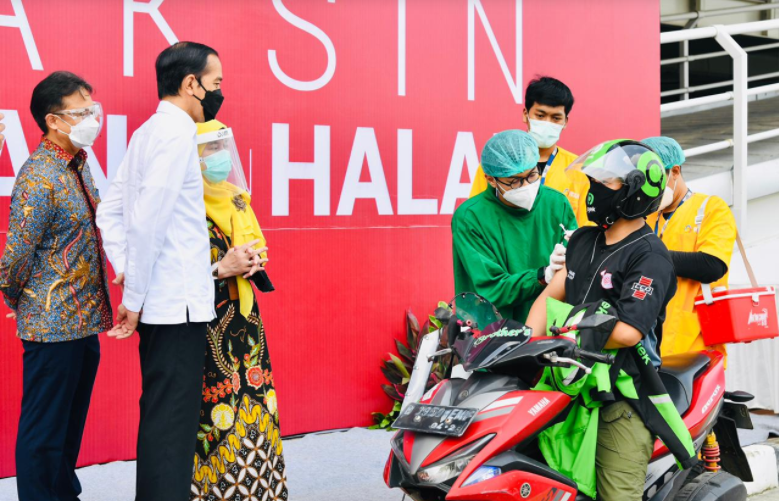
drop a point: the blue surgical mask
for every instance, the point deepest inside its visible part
(218, 166)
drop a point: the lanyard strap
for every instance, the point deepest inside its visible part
(668, 219)
(548, 166)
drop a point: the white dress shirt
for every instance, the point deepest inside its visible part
(153, 223)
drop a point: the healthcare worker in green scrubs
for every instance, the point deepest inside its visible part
(508, 241)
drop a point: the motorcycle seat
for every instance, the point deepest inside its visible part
(678, 373)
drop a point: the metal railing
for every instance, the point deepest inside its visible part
(739, 95)
(692, 19)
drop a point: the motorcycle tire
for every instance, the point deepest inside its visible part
(713, 486)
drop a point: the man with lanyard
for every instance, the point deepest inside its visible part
(507, 241)
(548, 102)
(700, 232)
(623, 263)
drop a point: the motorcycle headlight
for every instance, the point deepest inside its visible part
(451, 466)
(481, 474)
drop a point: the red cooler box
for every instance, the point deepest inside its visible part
(738, 315)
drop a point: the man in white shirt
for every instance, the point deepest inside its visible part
(153, 224)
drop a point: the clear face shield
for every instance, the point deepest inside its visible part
(610, 164)
(219, 161)
(90, 114)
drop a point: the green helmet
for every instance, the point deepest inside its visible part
(636, 166)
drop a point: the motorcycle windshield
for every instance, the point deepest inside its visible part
(490, 336)
(494, 342)
(474, 311)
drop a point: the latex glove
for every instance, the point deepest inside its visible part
(557, 259)
(548, 274)
(556, 262)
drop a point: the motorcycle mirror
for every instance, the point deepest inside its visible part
(442, 315)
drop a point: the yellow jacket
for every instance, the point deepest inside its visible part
(681, 330)
(574, 185)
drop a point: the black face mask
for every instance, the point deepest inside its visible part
(211, 102)
(600, 205)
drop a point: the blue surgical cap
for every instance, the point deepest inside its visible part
(668, 149)
(509, 153)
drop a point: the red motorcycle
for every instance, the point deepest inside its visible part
(474, 438)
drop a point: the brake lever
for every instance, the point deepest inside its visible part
(552, 357)
(445, 351)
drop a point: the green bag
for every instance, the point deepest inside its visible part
(569, 447)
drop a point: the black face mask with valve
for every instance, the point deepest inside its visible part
(211, 102)
(601, 204)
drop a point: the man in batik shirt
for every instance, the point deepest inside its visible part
(53, 277)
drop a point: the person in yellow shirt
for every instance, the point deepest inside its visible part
(700, 232)
(548, 103)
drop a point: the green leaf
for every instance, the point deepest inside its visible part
(412, 330)
(251, 341)
(399, 364)
(405, 380)
(405, 352)
(374, 427)
(434, 322)
(229, 346)
(384, 422)
(397, 406)
(206, 428)
(391, 373)
(255, 350)
(201, 435)
(255, 360)
(443, 304)
(391, 392)
(206, 447)
(217, 435)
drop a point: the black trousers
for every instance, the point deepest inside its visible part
(57, 387)
(172, 369)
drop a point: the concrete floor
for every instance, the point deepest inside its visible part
(772, 495)
(339, 466)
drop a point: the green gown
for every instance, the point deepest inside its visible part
(498, 249)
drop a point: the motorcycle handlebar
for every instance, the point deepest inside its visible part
(603, 358)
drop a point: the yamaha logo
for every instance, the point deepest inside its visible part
(525, 490)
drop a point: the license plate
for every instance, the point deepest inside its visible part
(435, 419)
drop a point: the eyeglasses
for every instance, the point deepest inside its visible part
(518, 182)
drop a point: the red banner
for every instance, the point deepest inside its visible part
(359, 123)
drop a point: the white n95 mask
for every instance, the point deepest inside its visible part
(523, 197)
(668, 197)
(84, 133)
(545, 133)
